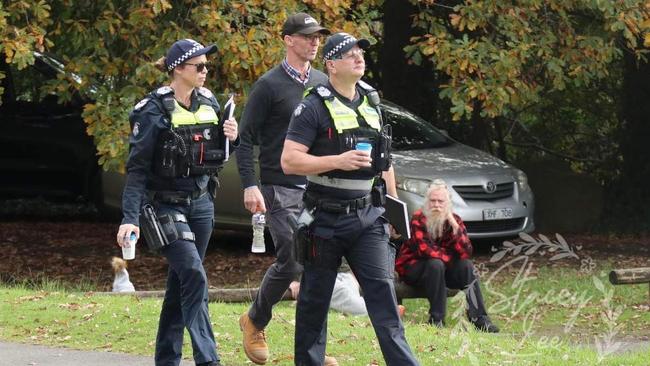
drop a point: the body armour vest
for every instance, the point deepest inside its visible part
(194, 144)
(349, 127)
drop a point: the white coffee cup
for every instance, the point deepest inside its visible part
(128, 251)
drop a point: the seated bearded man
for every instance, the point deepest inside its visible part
(436, 257)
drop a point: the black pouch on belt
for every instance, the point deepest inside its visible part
(168, 227)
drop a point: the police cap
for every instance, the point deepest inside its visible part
(339, 43)
(184, 50)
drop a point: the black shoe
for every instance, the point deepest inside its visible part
(484, 324)
(436, 322)
(211, 363)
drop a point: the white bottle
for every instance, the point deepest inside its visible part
(258, 221)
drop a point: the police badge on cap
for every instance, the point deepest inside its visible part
(184, 50)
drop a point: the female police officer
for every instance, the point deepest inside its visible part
(176, 147)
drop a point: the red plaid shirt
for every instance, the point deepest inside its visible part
(420, 246)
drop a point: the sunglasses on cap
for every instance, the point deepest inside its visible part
(199, 67)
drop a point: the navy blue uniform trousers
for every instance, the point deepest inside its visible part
(362, 237)
(186, 298)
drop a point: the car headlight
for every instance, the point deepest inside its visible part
(522, 181)
(412, 185)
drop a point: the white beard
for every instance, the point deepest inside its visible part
(436, 223)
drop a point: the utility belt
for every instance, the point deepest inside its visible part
(176, 197)
(314, 201)
(160, 231)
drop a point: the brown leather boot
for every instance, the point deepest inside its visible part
(330, 361)
(254, 341)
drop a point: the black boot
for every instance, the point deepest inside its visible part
(484, 324)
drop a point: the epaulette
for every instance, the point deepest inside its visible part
(365, 86)
(322, 91)
(165, 95)
(141, 104)
(164, 90)
(205, 92)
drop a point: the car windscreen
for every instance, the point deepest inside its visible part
(411, 132)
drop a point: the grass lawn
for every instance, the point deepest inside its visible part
(548, 315)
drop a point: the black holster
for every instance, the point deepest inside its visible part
(378, 192)
(213, 184)
(301, 240)
(153, 234)
(301, 235)
(161, 231)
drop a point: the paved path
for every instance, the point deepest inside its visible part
(16, 354)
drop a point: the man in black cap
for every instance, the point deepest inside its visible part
(265, 120)
(337, 140)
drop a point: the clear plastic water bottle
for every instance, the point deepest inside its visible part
(258, 221)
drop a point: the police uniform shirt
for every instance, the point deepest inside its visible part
(148, 120)
(312, 118)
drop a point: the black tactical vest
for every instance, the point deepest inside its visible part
(349, 126)
(194, 144)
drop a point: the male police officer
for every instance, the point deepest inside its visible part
(344, 196)
(266, 116)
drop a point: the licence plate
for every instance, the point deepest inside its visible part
(497, 213)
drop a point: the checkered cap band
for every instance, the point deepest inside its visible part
(347, 40)
(187, 55)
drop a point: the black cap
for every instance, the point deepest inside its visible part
(302, 23)
(184, 50)
(339, 43)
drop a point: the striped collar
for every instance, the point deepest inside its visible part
(295, 74)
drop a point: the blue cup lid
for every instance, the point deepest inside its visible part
(363, 146)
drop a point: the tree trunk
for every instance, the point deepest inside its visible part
(409, 85)
(480, 135)
(629, 197)
(502, 152)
